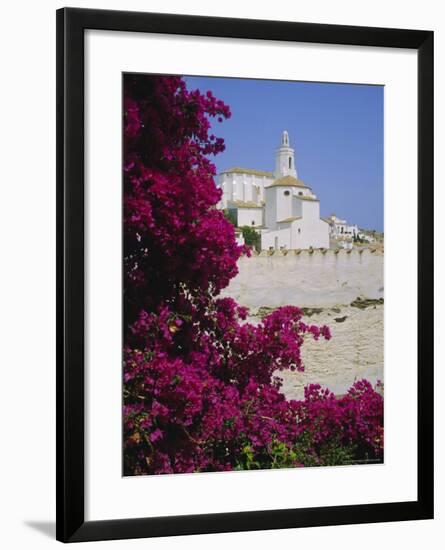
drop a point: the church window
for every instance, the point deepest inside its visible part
(290, 162)
(299, 230)
(300, 193)
(253, 222)
(286, 193)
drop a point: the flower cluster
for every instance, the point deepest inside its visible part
(353, 421)
(173, 235)
(201, 391)
(201, 386)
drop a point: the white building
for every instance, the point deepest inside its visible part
(367, 238)
(280, 205)
(340, 229)
(243, 193)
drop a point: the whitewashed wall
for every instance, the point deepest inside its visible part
(277, 238)
(248, 215)
(355, 351)
(308, 280)
(242, 187)
(314, 233)
(330, 283)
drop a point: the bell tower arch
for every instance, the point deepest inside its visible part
(285, 158)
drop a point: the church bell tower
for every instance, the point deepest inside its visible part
(285, 158)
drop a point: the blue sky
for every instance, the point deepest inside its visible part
(335, 129)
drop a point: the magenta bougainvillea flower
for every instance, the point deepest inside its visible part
(201, 391)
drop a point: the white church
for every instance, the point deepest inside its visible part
(280, 206)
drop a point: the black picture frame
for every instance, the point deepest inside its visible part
(71, 24)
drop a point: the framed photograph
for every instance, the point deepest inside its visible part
(245, 275)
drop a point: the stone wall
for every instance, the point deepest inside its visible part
(302, 278)
(343, 291)
(355, 351)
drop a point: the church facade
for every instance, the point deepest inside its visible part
(278, 204)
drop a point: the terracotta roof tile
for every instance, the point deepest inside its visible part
(243, 204)
(238, 170)
(288, 181)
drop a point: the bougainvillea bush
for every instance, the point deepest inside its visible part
(201, 391)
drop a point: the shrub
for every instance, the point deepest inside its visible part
(232, 216)
(251, 237)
